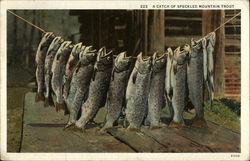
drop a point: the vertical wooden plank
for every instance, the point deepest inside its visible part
(156, 30)
(145, 32)
(210, 20)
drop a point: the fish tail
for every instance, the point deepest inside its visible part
(39, 97)
(61, 106)
(48, 102)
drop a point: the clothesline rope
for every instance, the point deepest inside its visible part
(39, 28)
(42, 30)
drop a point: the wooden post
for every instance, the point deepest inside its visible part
(210, 20)
(156, 30)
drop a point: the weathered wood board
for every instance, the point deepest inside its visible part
(43, 132)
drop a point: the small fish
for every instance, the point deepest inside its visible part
(58, 70)
(156, 92)
(136, 105)
(117, 88)
(80, 83)
(54, 46)
(40, 63)
(98, 87)
(70, 67)
(178, 82)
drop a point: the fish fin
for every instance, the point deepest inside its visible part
(61, 106)
(134, 77)
(49, 101)
(39, 97)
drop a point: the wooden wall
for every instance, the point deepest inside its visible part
(232, 56)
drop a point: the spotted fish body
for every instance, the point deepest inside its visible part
(156, 93)
(98, 87)
(117, 87)
(208, 44)
(70, 67)
(195, 78)
(40, 63)
(81, 80)
(178, 82)
(168, 87)
(54, 46)
(58, 70)
(137, 103)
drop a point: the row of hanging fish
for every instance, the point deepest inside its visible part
(83, 80)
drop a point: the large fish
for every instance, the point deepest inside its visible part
(117, 88)
(80, 83)
(70, 68)
(178, 82)
(98, 87)
(156, 92)
(168, 87)
(136, 104)
(58, 70)
(54, 46)
(208, 44)
(40, 61)
(195, 76)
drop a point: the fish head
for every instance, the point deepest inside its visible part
(180, 56)
(88, 55)
(76, 49)
(104, 59)
(46, 37)
(65, 46)
(55, 44)
(159, 61)
(122, 61)
(144, 63)
(211, 38)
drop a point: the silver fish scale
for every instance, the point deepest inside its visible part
(156, 97)
(58, 73)
(136, 108)
(72, 91)
(81, 85)
(48, 65)
(70, 67)
(97, 92)
(179, 92)
(116, 95)
(40, 62)
(195, 81)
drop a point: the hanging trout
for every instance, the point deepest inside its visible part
(98, 88)
(70, 68)
(156, 92)
(136, 105)
(58, 70)
(208, 44)
(179, 84)
(54, 46)
(168, 87)
(117, 88)
(80, 83)
(40, 61)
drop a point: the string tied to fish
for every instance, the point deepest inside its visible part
(43, 31)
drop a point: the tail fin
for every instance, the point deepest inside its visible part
(61, 106)
(39, 97)
(49, 102)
